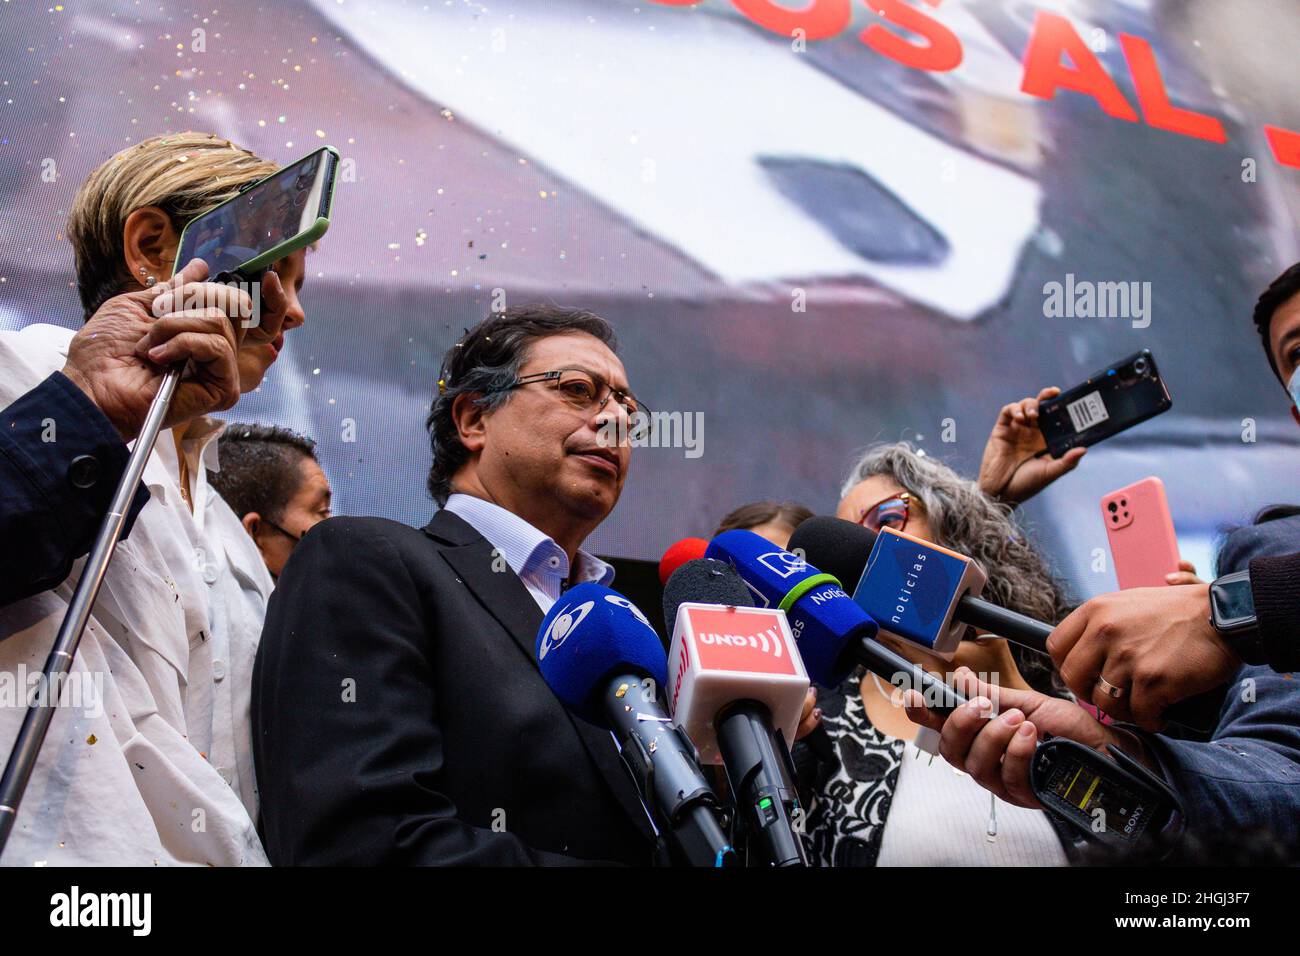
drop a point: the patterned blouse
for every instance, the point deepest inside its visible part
(847, 818)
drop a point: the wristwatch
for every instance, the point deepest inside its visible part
(1232, 615)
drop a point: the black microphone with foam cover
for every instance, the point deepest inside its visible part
(843, 548)
(703, 581)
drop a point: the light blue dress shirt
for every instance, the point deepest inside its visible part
(540, 563)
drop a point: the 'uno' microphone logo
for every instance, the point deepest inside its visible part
(782, 563)
(737, 640)
(768, 642)
(563, 625)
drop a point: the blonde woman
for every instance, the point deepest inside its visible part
(151, 762)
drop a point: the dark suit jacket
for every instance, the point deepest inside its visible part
(399, 716)
(53, 494)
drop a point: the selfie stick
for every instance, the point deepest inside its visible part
(36, 722)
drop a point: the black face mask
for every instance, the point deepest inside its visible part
(295, 538)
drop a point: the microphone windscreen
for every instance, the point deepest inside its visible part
(838, 547)
(687, 549)
(591, 635)
(703, 581)
(770, 571)
(824, 619)
(913, 588)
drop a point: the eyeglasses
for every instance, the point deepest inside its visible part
(891, 512)
(584, 390)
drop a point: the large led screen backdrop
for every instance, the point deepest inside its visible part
(811, 238)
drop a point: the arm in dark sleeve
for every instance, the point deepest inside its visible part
(60, 461)
(1275, 586)
(1248, 776)
(346, 740)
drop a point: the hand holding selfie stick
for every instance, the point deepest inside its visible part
(313, 178)
(36, 722)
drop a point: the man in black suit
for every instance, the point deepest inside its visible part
(398, 713)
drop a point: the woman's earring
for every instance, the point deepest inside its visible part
(149, 281)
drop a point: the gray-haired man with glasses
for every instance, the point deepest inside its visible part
(399, 716)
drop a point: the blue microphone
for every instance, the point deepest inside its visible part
(832, 631)
(603, 660)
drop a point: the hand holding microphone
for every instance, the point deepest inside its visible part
(997, 747)
(833, 633)
(1137, 653)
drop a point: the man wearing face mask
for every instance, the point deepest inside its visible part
(271, 479)
(1135, 653)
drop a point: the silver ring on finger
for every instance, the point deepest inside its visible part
(1109, 689)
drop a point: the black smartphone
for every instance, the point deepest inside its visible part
(1118, 397)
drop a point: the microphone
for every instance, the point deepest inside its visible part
(603, 660)
(832, 631)
(735, 674)
(687, 549)
(873, 561)
(917, 591)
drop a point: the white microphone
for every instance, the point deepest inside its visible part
(736, 686)
(720, 655)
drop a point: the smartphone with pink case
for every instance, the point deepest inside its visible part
(1143, 546)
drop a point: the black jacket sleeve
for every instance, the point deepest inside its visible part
(1275, 586)
(60, 461)
(346, 739)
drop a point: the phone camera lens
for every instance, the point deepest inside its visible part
(1140, 366)
(1113, 507)
(1115, 518)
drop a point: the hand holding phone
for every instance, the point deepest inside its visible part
(1013, 467)
(242, 237)
(1140, 531)
(1115, 399)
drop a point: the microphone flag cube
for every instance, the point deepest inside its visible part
(720, 655)
(911, 588)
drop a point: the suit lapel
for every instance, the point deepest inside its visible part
(504, 596)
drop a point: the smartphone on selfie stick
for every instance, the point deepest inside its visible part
(239, 239)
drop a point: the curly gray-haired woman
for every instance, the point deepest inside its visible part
(889, 802)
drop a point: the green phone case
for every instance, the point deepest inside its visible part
(254, 267)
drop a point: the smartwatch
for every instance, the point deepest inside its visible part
(1232, 615)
